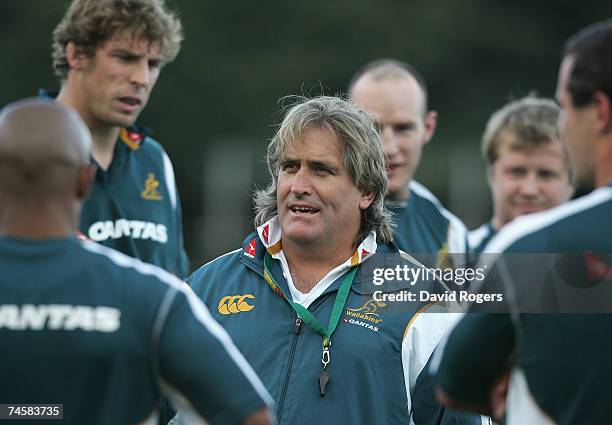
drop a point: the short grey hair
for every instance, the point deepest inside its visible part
(390, 69)
(363, 156)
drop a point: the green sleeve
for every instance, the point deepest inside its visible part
(198, 360)
(475, 354)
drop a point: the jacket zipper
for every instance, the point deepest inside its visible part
(281, 399)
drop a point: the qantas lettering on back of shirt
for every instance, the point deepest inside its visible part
(136, 229)
(59, 317)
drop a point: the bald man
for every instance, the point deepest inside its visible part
(396, 94)
(95, 335)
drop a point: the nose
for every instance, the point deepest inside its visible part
(389, 141)
(300, 186)
(141, 75)
(530, 185)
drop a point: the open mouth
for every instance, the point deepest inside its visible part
(130, 101)
(525, 209)
(304, 210)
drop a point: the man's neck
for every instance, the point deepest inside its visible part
(400, 196)
(309, 266)
(39, 220)
(603, 162)
(103, 146)
(497, 223)
(603, 179)
(104, 136)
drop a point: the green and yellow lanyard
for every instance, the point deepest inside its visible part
(308, 318)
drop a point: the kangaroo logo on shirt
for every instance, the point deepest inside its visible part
(150, 192)
(366, 311)
(369, 308)
(232, 304)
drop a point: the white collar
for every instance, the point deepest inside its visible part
(270, 235)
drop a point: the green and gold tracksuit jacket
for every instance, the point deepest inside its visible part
(377, 353)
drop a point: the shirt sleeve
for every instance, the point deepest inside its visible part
(181, 268)
(428, 411)
(421, 337)
(457, 237)
(200, 368)
(474, 355)
(455, 252)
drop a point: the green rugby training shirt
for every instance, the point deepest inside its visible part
(134, 206)
(560, 362)
(427, 230)
(105, 334)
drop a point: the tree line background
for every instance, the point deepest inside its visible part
(215, 108)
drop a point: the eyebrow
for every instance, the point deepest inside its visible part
(323, 164)
(311, 163)
(126, 52)
(130, 53)
(409, 123)
(394, 123)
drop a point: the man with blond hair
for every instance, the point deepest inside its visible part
(528, 167)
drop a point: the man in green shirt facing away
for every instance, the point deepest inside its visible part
(87, 327)
(558, 364)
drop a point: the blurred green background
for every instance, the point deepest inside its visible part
(214, 108)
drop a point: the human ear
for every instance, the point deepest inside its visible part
(75, 57)
(431, 121)
(603, 107)
(366, 200)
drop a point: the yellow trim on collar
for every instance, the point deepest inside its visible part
(125, 138)
(275, 249)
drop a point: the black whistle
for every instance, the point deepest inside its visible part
(323, 380)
